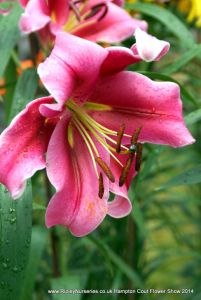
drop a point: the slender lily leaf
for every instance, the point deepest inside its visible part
(24, 92)
(166, 18)
(193, 117)
(9, 35)
(15, 238)
(139, 218)
(9, 73)
(191, 176)
(38, 241)
(118, 261)
(183, 60)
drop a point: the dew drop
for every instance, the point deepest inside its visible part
(15, 269)
(4, 265)
(13, 220)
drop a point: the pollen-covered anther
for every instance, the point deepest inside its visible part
(101, 186)
(135, 136)
(96, 9)
(120, 134)
(105, 168)
(138, 160)
(126, 169)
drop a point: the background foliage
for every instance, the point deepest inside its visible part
(158, 245)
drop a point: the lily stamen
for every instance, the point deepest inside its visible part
(135, 136)
(138, 157)
(120, 134)
(126, 169)
(105, 168)
(101, 186)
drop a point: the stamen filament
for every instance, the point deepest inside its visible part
(88, 136)
(88, 146)
(91, 124)
(75, 10)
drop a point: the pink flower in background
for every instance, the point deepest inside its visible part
(4, 11)
(23, 2)
(94, 20)
(74, 133)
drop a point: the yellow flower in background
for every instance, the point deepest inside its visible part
(192, 8)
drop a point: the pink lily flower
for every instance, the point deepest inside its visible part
(95, 20)
(95, 108)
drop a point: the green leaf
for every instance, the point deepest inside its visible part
(24, 92)
(10, 72)
(37, 206)
(191, 176)
(139, 218)
(118, 261)
(38, 242)
(15, 238)
(9, 35)
(193, 117)
(184, 93)
(168, 19)
(183, 60)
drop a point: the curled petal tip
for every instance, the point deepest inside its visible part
(148, 47)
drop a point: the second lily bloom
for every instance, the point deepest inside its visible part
(95, 20)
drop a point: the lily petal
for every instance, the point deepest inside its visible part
(118, 59)
(73, 63)
(156, 106)
(76, 204)
(22, 147)
(35, 17)
(121, 205)
(148, 47)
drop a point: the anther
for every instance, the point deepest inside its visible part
(138, 160)
(120, 134)
(135, 136)
(101, 186)
(126, 170)
(96, 9)
(105, 168)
